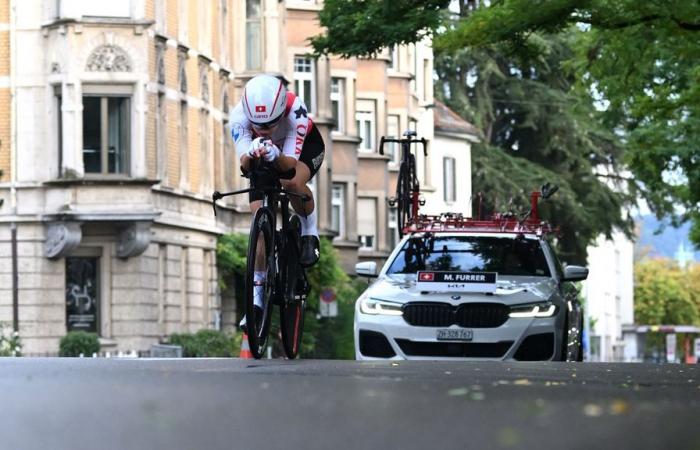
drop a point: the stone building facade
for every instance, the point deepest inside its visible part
(113, 135)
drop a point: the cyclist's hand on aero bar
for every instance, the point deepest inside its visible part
(256, 147)
(263, 148)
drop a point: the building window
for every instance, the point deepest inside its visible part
(160, 16)
(59, 127)
(391, 149)
(338, 104)
(161, 138)
(98, 9)
(205, 156)
(448, 180)
(427, 80)
(253, 34)
(394, 57)
(105, 134)
(304, 82)
(413, 58)
(82, 290)
(184, 154)
(223, 30)
(365, 116)
(338, 209)
(367, 223)
(393, 227)
(183, 19)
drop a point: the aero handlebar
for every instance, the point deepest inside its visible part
(405, 141)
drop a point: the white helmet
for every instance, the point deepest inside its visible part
(264, 100)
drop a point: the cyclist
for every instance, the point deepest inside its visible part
(273, 124)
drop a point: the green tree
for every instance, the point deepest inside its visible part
(330, 337)
(636, 59)
(662, 294)
(537, 127)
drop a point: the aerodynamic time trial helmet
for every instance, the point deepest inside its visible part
(264, 100)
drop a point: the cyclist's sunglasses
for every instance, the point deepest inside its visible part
(267, 125)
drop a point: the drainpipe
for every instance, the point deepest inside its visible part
(13, 163)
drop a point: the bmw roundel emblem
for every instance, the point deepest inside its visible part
(456, 297)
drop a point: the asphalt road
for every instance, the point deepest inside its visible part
(242, 404)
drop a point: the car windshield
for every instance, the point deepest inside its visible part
(504, 255)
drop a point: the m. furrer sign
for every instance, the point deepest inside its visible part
(439, 281)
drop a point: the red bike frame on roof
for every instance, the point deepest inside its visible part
(528, 222)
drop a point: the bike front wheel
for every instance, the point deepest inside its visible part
(259, 282)
(294, 292)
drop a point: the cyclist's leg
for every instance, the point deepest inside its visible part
(310, 160)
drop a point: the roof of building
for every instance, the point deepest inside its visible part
(449, 121)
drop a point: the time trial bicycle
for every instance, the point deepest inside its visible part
(275, 252)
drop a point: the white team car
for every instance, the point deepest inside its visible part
(470, 295)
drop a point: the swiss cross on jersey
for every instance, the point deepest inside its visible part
(260, 108)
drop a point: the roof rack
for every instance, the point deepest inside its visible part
(528, 223)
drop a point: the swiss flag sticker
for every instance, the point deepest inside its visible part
(260, 108)
(426, 276)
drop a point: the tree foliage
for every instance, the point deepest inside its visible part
(636, 60)
(664, 295)
(356, 27)
(537, 128)
(330, 337)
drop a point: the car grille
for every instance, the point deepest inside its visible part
(469, 315)
(454, 349)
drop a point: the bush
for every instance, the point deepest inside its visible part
(10, 344)
(206, 343)
(76, 343)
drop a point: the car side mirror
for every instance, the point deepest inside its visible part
(575, 273)
(366, 269)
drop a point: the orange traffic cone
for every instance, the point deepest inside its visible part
(245, 348)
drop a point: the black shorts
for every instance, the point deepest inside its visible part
(312, 154)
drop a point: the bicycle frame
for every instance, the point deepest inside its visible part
(407, 164)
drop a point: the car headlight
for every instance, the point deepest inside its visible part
(533, 310)
(373, 306)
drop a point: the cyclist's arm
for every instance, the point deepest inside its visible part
(297, 128)
(241, 134)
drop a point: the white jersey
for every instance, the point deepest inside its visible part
(288, 135)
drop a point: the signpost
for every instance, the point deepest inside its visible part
(328, 306)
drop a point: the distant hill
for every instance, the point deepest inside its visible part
(666, 243)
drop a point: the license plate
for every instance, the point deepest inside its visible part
(455, 334)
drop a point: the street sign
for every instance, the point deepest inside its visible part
(328, 306)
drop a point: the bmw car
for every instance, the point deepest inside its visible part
(470, 295)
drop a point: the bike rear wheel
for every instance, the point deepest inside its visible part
(261, 250)
(294, 292)
(403, 194)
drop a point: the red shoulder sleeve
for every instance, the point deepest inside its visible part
(290, 101)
